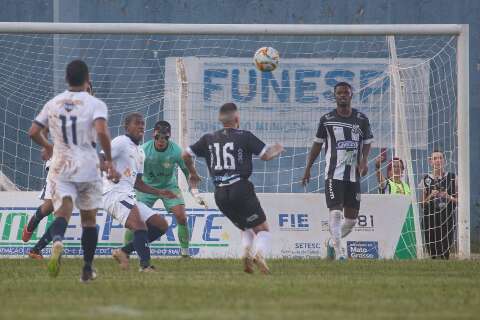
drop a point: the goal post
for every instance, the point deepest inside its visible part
(463, 142)
(183, 72)
(401, 136)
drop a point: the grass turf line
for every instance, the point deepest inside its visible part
(218, 289)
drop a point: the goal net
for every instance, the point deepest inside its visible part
(407, 83)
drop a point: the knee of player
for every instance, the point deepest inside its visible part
(89, 224)
(163, 226)
(351, 213)
(261, 227)
(88, 218)
(46, 207)
(158, 222)
(182, 220)
(180, 216)
(66, 208)
(134, 223)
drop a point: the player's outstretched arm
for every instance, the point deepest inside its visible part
(103, 135)
(312, 156)
(36, 133)
(44, 152)
(143, 187)
(272, 152)
(112, 173)
(193, 179)
(189, 171)
(104, 138)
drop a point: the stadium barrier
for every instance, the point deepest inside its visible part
(384, 229)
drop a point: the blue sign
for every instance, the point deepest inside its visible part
(362, 249)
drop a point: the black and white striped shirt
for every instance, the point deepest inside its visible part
(344, 138)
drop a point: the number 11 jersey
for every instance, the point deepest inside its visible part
(228, 153)
(70, 118)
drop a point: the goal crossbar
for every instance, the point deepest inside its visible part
(230, 29)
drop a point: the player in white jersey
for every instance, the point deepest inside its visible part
(75, 120)
(45, 209)
(119, 198)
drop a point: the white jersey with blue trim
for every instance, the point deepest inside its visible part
(128, 158)
(70, 117)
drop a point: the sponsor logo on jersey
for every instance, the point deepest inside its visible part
(331, 194)
(347, 145)
(167, 165)
(428, 181)
(68, 106)
(356, 129)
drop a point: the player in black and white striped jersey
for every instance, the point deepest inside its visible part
(347, 136)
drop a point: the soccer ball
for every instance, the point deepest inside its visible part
(266, 59)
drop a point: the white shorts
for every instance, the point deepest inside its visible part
(119, 205)
(46, 193)
(85, 195)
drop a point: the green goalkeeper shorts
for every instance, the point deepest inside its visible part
(150, 199)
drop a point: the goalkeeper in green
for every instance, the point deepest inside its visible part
(162, 158)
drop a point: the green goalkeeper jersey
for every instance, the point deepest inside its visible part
(160, 167)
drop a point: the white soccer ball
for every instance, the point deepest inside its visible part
(266, 59)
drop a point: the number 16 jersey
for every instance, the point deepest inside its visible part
(70, 117)
(228, 153)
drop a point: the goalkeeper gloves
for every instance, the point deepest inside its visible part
(196, 195)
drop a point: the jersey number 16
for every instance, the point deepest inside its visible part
(228, 158)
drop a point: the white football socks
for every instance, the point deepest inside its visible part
(247, 242)
(335, 223)
(262, 243)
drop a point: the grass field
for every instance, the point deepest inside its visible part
(218, 289)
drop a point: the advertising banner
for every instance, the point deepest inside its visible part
(281, 105)
(298, 222)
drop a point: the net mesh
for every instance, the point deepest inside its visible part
(140, 73)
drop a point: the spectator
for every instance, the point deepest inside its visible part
(393, 183)
(439, 202)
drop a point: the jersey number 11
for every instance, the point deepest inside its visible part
(73, 119)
